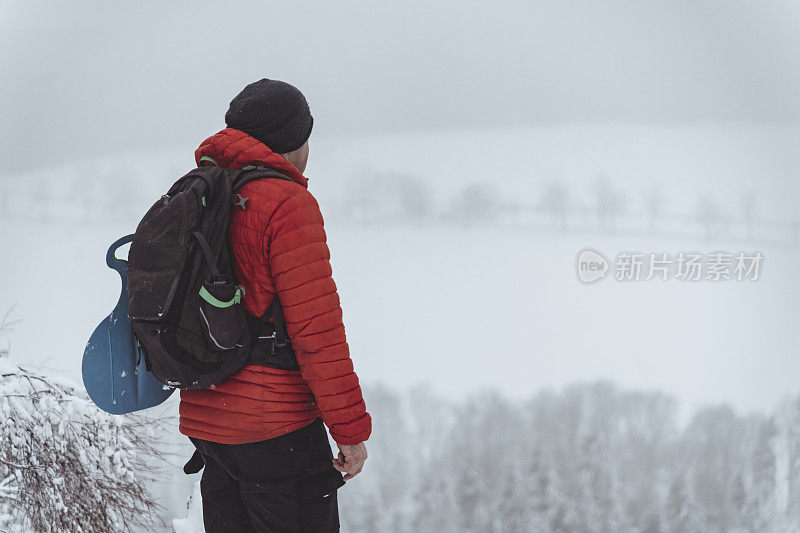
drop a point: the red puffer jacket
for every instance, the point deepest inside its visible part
(279, 245)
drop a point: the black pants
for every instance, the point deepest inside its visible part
(286, 484)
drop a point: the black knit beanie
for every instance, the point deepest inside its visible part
(273, 112)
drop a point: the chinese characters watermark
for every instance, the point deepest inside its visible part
(593, 266)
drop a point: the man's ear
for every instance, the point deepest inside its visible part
(299, 157)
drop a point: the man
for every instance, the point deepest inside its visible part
(268, 464)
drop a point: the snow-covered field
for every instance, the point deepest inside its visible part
(492, 305)
(470, 309)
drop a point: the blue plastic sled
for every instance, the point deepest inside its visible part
(114, 372)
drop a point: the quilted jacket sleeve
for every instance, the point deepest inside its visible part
(300, 267)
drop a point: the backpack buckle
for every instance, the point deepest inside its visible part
(239, 200)
(275, 344)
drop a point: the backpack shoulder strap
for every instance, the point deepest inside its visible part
(251, 173)
(275, 310)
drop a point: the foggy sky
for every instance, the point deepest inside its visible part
(82, 79)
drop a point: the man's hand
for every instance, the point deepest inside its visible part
(351, 459)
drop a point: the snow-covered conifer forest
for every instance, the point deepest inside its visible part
(590, 458)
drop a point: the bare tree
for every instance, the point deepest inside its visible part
(388, 197)
(707, 215)
(609, 203)
(555, 203)
(6, 328)
(477, 202)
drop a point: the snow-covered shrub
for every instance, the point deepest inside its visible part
(64, 464)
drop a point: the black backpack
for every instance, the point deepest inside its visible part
(183, 299)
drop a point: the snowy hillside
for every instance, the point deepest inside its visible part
(439, 289)
(476, 300)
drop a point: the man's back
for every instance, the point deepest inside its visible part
(278, 244)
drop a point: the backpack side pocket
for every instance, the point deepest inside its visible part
(221, 314)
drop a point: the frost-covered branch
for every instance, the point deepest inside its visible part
(66, 465)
